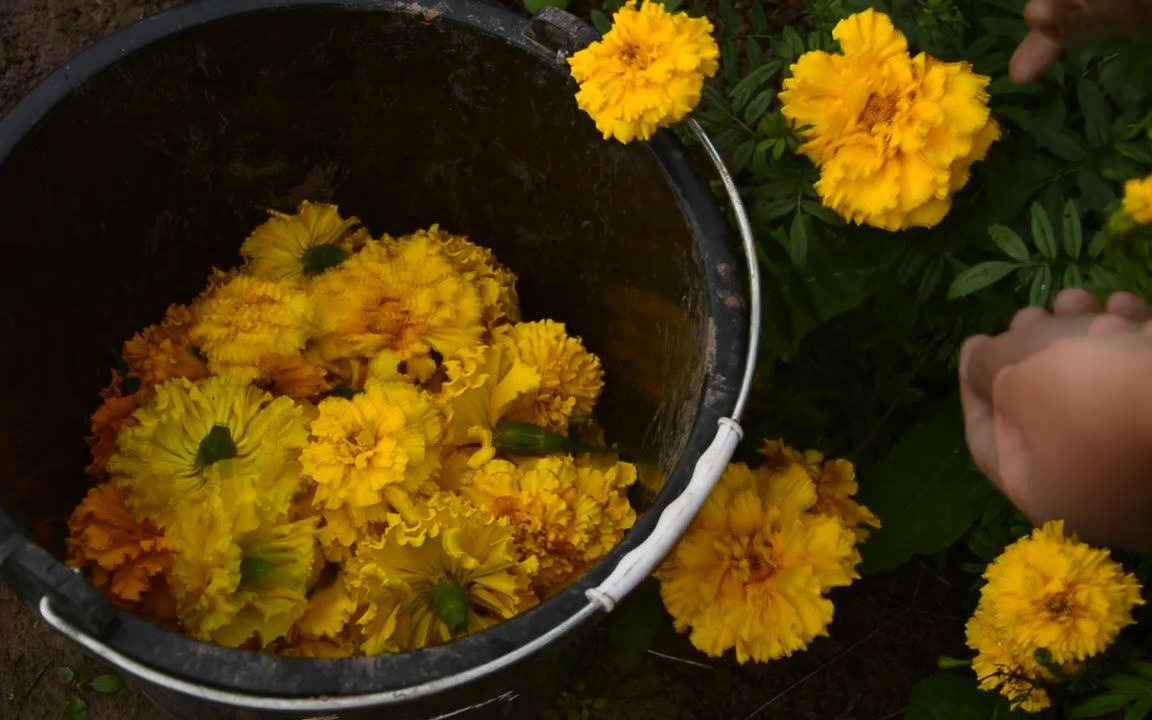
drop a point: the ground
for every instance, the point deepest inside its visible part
(888, 631)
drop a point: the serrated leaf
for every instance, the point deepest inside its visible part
(1072, 278)
(1100, 705)
(759, 19)
(1071, 231)
(1061, 142)
(922, 491)
(821, 213)
(1130, 684)
(1009, 242)
(1140, 709)
(1143, 667)
(1040, 289)
(758, 106)
(746, 88)
(980, 276)
(1141, 152)
(742, 156)
(798, 240)
(1097, 118)
(1096, 193)
(793, 43)
(107, 683)
(1042, 236)
(754, 52)
(947, 696)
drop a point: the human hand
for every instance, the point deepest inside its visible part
(1058, 414)
(1057, 24)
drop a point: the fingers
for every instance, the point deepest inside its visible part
(1033, 56)
(1075, 301)
(1130, 307)
(979, 430)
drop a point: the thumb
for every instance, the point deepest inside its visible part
(1032, 57)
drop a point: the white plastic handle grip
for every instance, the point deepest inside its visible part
(642, 560)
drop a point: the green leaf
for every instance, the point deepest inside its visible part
(65, 674)
(107, 683)
(1140, 152)
(633, 625)
(923, 492)
(76, 709)
(1100, 705)
(1097, 245)
(980, 276)
(758, 106)
(821, 213)
(1139, 709)
(1062, 142)
(945, 696)
(1130, 684)
(1093, 189)
(535, 6)
(1072, 278)
(1009, 242)
(1042, 235)
(798, 240)
(1040, 290)
(1143, 667)
(1073, 234)
(1097, 119)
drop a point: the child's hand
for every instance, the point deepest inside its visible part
(1058, 413)
(1057, 24)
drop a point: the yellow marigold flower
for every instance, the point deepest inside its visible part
(328, 612)
(248, 319)
(646, 73)
(835, 484)
(894, 135)
(378, 447)
(1016, 675)
(1138, 200)
(304, 245)
(752, 568)
(460, 576)
(121, 556)
(266, 594)
(403, 296)
(164, 351)
(113, 415)
(565, 517)
(210, 448)
(1052, 591)
(484, 385)
(295, 377)
(495, 283)
(570, 377)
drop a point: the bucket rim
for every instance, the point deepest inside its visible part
(246, 671)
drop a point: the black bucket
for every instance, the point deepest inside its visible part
(130, 171)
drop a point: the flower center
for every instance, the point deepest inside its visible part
(878, 110)
(632, 56)
(505, 505)
(450, 603)
(1058, 605)
(319, 258)
(217, 445)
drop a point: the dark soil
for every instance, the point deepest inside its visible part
(888, 632)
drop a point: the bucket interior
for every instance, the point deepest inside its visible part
(127, 192)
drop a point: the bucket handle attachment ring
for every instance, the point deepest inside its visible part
(632, 569)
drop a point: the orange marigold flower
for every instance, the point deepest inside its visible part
(163, 351)
(123, 557)
(296, 377)
(107, 421)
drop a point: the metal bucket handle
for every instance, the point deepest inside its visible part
(632, 569)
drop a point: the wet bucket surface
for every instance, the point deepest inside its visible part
(135, 168)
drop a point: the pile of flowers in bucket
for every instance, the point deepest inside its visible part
(348, 445)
